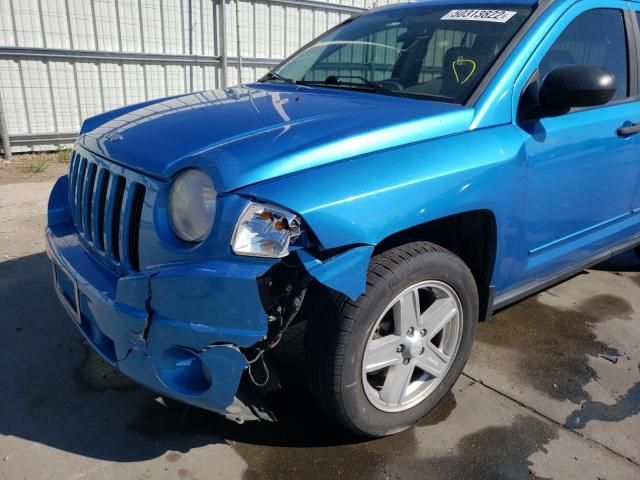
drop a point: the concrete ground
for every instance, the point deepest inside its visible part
(552, 391)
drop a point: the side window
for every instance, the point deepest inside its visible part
(596, 37)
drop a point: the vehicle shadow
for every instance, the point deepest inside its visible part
(625, 262)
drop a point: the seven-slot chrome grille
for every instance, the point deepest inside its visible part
(106, 207)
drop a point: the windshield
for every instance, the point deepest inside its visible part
(437, 53)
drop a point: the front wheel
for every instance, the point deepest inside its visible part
(381, 363)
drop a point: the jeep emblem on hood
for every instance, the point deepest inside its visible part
(113, 136)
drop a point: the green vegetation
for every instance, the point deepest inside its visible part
(35, 164)
(64, 155)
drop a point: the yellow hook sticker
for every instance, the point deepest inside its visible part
(462, 77)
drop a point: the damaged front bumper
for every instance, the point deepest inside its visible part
(186, 329)
(148, 325)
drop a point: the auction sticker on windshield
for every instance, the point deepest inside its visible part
(498, 16)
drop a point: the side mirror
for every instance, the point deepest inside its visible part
(576, 86)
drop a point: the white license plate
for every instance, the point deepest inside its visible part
(67, 290)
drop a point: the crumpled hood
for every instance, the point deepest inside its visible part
(257, 132)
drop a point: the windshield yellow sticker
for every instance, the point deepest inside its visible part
(498, 16)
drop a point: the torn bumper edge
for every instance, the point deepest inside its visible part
(345, 272)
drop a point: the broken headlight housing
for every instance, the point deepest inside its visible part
(265, 231)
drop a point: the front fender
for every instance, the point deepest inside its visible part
(366, 199)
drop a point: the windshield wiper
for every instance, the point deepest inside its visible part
(334, 81)
(275, 76)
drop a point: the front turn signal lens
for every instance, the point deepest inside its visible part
(265, 231)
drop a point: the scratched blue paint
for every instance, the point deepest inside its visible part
(358, 168)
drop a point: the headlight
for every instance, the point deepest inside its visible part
(265, 231)
(192, 205)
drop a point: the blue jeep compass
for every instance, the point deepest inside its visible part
(391, 184)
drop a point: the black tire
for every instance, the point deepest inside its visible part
(339, 329)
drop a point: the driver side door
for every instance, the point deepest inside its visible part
(581, 172)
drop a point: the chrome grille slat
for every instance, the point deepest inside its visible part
(106, 206)
(87, 200)
(134, 225)
(82, 171)
(108, 216)
(112, 218)
(97, 213)
(124, 222)
(73, 176)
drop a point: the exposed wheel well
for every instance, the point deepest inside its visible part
(470, 235)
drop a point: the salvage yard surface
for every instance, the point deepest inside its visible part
(35, 167)
(552, 390)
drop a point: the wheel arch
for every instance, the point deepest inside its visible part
(471, 235)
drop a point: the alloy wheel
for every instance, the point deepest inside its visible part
(412, 346)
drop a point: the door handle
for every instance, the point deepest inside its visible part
(628, 130)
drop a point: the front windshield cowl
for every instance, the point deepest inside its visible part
(436, 53)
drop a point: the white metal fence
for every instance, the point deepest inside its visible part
(64, 60)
